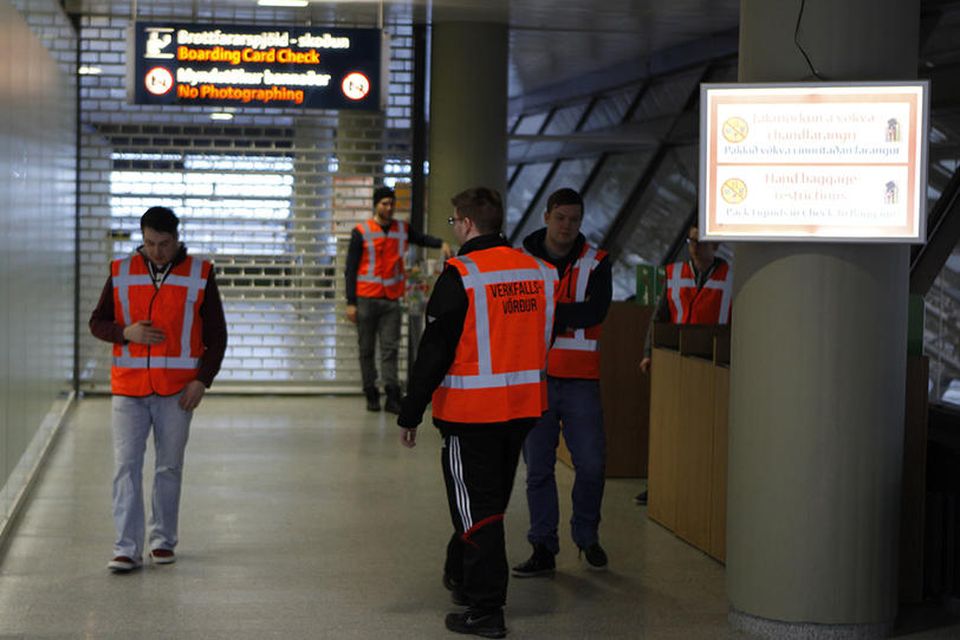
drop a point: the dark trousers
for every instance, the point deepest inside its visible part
(576, 404)
(378, 318)
(479, 466)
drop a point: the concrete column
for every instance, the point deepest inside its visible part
(818, 361)
(468, 114)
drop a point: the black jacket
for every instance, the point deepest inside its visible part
(355, 253)
(576, 315)
(446, 312)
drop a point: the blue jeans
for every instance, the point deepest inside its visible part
(132, 420)
(575, 403)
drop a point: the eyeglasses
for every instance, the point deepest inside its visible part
(453, 220)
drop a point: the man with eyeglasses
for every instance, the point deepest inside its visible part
(698, 291)
(375, 284)
(481, 362)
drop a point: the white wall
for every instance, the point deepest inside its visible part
(37, 223)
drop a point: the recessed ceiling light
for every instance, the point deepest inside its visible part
(89, 71)
(221, 115)
(283, 3)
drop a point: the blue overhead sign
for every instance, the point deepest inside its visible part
(248, 66)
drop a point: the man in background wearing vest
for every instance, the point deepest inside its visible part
(375, 284)
(697, 291)
(482, 360)
(161, 310)
(573, 390)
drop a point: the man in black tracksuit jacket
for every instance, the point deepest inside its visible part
(479, 459)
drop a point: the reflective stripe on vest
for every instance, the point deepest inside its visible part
(492, 380)
(371, 232)
(682, 277)
(124, 281)
(576, 353)
(498, 373)
(477, 281)
(162, 368)
(584, 266)
(156, 362)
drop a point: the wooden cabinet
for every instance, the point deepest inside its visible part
(689, 408)
(688, 434)
(664, 421)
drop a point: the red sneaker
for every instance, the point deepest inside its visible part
(163, 556)
(123, 564)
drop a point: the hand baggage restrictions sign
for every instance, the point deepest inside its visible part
(248, 66)
(813, 161)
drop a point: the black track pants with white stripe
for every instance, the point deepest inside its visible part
(479, 465)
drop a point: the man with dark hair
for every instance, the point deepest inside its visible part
(161, 310)
(573, 388)
(481, 361)
(375, 283)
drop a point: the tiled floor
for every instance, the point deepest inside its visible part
(305, 518)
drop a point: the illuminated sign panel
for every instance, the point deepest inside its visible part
(245, 66)
(817, 162)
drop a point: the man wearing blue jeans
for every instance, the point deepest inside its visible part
(161, 310)
(573, 390)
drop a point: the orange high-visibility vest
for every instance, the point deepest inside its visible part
(165, 368)
(381, 273)
(708, 305)
(498, 372)
(576, 353)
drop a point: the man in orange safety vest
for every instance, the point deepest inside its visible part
(482, 362)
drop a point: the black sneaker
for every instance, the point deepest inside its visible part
(373, 399)
(456, 591)
(541, 563)
(595, 555)
(393, 401)
(486, 623)
(641, 498)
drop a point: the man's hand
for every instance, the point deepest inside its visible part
(352, 313)
(446, 250)
(192, 395)
(143, 332)
(408, 437)
(645, 366)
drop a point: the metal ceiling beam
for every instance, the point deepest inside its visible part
(543, 183)
(943, 234)
(573, 148)
(553, 168)
(619, 223)
(719, 46)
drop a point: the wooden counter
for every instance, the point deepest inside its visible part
(689, 397)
